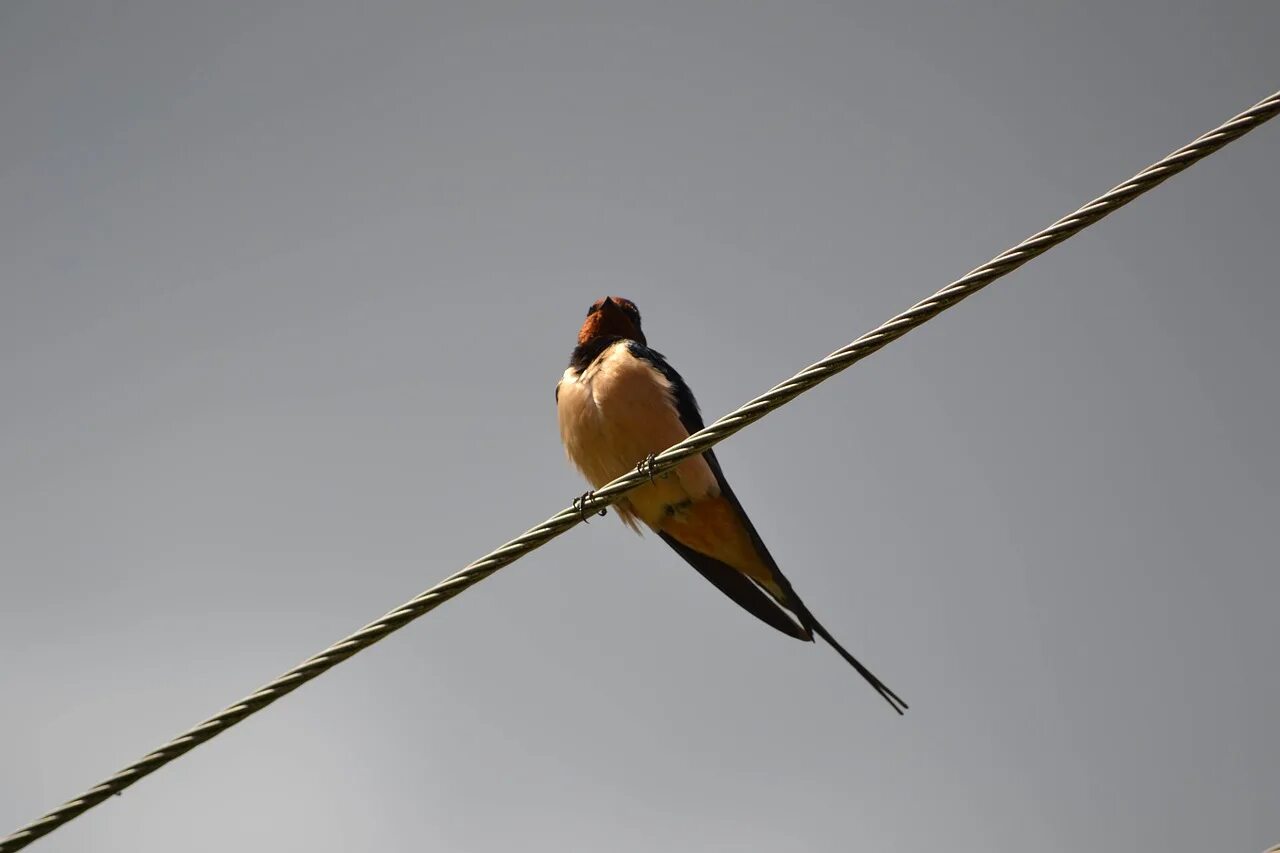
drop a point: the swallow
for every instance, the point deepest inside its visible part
(618, 404)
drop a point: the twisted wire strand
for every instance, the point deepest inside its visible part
(535, 537)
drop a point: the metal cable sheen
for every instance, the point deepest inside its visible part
(1001, 265)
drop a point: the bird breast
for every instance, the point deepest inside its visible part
(612, 416)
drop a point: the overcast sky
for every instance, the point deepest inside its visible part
(284, 291)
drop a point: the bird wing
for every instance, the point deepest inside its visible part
(724, 527)
(733, 557)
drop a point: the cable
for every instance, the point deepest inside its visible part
(779, 395)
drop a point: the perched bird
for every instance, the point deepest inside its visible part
(619, 403)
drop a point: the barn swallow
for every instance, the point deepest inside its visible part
(619, 403)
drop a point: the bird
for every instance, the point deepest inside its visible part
(618, 404)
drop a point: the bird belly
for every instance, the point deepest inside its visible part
(616, 413)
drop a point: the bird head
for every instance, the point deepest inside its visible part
(611, 316)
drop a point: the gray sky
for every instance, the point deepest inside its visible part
(286, 288)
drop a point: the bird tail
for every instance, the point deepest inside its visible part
(808, 620)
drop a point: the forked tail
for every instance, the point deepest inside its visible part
(894, 700)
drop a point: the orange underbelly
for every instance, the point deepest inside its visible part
(712, 526)
(614, 418)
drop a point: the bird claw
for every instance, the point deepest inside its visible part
(646, 465)
(580, 504)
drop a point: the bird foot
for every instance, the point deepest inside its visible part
(580, 504)
(646, 466)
